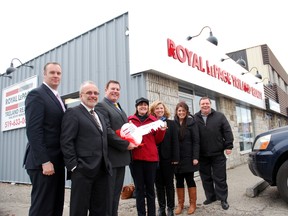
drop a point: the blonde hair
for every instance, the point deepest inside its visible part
(155, 104)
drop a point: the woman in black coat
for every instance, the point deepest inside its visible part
(168, 151)
(188, 135)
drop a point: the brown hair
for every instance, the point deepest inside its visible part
(183, 125)
(184, 106)
(112, 81)
(48, 63)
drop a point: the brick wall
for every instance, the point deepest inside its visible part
(166, 90)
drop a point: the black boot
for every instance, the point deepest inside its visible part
(161, 211)
(170, 211)
(161, 201)
(170, 195)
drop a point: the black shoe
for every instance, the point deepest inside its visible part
(161, 211)
(207, 202)
(224, 205)
(170, 211)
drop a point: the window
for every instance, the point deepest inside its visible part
(72, 99)
(193, 102)
(245, 128)
(71, 102)
(188, 98)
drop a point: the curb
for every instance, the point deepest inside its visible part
(256, 189)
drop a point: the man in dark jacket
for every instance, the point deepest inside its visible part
(84, 143)
(215, 137)
(43, 158)
(118, 152)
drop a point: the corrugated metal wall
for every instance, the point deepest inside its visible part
(99, 55)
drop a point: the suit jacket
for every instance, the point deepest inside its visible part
(83, 144)
(43, 114)
(117, 151)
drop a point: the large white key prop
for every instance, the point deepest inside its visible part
(134, 134)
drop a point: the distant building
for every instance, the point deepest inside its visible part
(260, 59)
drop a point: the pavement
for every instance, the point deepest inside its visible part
(243, 188)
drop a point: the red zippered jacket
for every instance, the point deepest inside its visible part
(148, 151)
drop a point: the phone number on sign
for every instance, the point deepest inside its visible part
(15, 122)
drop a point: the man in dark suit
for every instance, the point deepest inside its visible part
(84, 141)
(117, 152)
(43, 158)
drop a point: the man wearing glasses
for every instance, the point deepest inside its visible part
(84, 141)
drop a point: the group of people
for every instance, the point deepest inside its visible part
(84, 139)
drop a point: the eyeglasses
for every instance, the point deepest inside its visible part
(91, 93)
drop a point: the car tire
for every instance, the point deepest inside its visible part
(282, 181)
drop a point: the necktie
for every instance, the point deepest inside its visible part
(96, 120)
(116, 105)
(61, 102)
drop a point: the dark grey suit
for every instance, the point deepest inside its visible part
(85, 147)
(117, 152)
(43, 126)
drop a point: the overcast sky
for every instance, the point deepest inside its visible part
(31, 27)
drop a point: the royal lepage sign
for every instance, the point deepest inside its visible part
(13, 104)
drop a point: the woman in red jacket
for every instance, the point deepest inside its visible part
(145, 159)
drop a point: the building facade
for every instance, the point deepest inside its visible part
(162, 66)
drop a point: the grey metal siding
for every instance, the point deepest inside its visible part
(99, 55)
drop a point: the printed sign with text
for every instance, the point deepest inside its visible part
(13, 104)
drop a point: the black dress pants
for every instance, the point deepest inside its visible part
(88, 194)
(47, 195)
(213, 175)
(114, 189)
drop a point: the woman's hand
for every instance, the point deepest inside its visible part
(164, 127)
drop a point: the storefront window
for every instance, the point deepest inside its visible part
(245, 128)
(193, 102)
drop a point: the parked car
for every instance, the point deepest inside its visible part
(269, 159)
